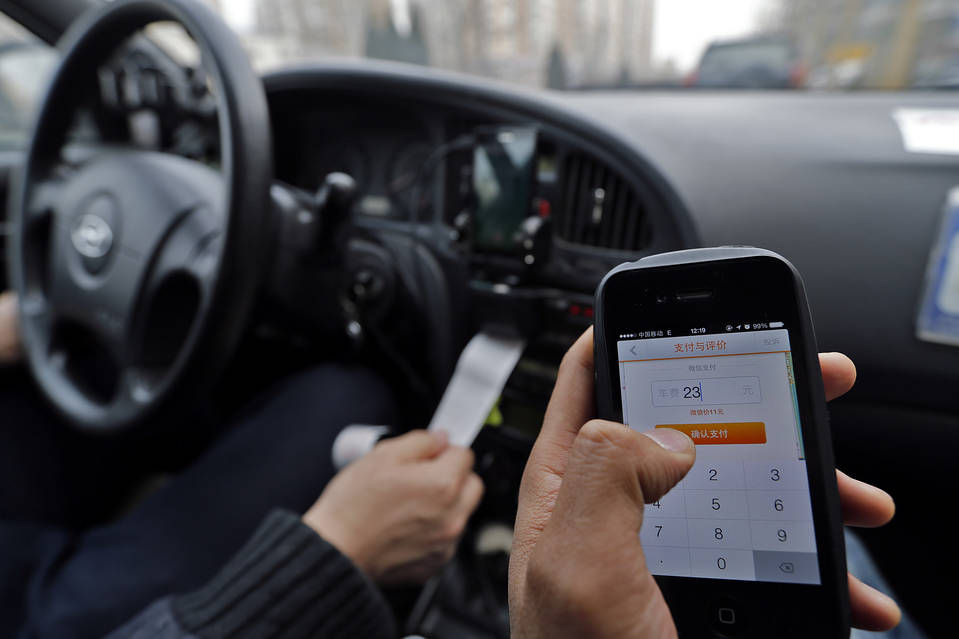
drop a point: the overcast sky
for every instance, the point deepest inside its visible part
(683, 28)
(239, 13)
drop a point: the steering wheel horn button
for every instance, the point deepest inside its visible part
(92, 233)
(92, 236)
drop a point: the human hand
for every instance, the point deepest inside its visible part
(399, 511)
(581, 506)
(9, 329)
(863, 506)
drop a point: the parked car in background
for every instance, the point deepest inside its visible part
(765, 62)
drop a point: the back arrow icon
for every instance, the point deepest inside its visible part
(632, 349)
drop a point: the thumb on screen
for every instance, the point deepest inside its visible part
(590, 544)
(612, 471)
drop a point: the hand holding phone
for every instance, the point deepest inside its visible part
(580, 559)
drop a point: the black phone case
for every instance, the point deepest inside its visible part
(819, 426)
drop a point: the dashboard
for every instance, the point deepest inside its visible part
(381, 151)
(382, 123)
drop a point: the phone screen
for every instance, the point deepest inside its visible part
(743, 512)
(503, 171)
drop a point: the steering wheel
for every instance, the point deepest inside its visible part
(135, 269)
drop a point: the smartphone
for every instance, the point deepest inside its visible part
(718, 343)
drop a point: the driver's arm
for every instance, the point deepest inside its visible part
(9, 334)
(286, 577)
(392, 517)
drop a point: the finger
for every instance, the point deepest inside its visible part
(863, 505)
(570, 406)
(572, 403)
(416, 445)
(871, 609)
(838, 374)
(613, 471)
(450, 467)
(470, 497)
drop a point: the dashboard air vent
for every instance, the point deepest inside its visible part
(599, 208)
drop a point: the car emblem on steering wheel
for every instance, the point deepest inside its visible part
(92, 236)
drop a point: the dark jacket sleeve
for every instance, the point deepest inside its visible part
(286, 582)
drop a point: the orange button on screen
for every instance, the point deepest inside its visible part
(724, 433)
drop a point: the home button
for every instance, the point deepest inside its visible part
(726, 616)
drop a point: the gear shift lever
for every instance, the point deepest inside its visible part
(334, 203)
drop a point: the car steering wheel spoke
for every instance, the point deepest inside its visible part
(178, 289)
(137, 387)
(191, 249)
(42, 315)
(45, 198)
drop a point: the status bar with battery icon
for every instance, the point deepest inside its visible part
(702, 330)
(757, 326)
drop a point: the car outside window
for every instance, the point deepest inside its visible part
(623, 44)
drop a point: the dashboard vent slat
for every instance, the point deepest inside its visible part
(572, 170)
(600, 208)
(580, 222)
(611, 190)
(619, 215)
(632, 221)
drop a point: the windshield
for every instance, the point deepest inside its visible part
(578, 44)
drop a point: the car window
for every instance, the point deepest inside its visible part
(25, 67)
(576, 44)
